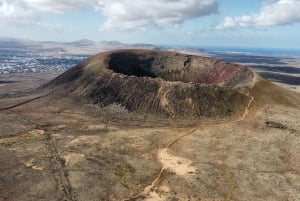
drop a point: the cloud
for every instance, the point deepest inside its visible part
(58, 6)
(15, 9)
(228, 23)
(143, 14)
(120, 14)
(272, 13)
(28, 8)
(60, 28)
(16, 13)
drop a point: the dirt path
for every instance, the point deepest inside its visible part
(247, 109)
(178, 165)
(23, 102)
(58, 165)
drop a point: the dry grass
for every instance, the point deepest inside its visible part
(27, 136)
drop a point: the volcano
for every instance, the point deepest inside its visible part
(161, 83)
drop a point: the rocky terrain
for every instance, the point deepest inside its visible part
(149, 125)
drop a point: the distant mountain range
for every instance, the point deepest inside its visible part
(80, 47)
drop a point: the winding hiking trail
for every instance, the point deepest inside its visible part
(178, 165)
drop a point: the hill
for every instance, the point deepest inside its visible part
(84, 46)
(158, 83)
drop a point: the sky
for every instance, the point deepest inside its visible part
(225, 23)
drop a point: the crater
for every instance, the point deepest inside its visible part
(171, 66)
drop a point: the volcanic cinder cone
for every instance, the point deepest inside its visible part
(160, 83)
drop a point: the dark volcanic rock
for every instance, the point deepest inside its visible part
(273, 124)
(160, 83)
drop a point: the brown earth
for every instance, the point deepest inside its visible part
(59, 145)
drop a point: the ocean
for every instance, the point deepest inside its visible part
(256, 51)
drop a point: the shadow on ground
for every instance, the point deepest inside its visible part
(276, 77)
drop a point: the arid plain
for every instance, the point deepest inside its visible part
(55, 148)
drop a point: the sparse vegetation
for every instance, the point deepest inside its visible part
(23, 137)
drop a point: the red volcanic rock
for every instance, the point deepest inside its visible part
(160, 83)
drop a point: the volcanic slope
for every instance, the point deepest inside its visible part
(160, 83)
(217, 132)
